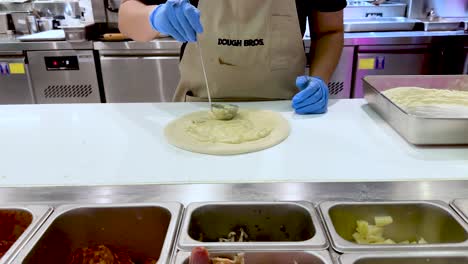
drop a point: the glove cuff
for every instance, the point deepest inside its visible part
(151, 18)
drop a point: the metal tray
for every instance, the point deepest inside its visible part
(143, 230)
(379, 24)
(34, 216)
(416, 129)
(406, 258)
(271, 257)
(443, 23)
(432, 220)
(271, 226)
(461, 207)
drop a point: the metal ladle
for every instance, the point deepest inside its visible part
(224, 111)
(220, 111)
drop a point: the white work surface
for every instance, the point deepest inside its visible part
(114, 144)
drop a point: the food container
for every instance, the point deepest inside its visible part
(431, 220)
(77, 33)
(18, 224)
(5, 22)
(141, 230)
(461, 207)
(32, 24)
(275, 257)
(20, 22)
(416, 129)
(269, 225)
(442, 23)
(406, 258)
(45, 24)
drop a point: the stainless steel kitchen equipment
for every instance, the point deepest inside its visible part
(461, 207)
(364, 9)
(45, 23)
(437, 15)
(379, 24)
(188, 193)
(29, 217)
(269, 225)
(64, 76)
(20, 22)
(434, 221)
(443, 24)
(390, 60)
(6, 22)
(105, 13)
(442, 8)
(406, 258)
(139, 75)
(15, 82)
(271, 257)
(341, 81)
(57, 8)
(32, 24)
(143, 230)
(77, 33)
(415, 129)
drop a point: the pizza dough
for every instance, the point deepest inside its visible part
(249, 131)
(430, 102)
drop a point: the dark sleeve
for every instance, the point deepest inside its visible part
(153, 2)
(328, 5)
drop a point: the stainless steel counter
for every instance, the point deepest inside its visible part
(188, 193)
(9, 43)
(402, 38)
(161, 45)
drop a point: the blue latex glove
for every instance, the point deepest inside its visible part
(313, 96)
(177, 18)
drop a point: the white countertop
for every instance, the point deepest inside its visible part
(117, 144)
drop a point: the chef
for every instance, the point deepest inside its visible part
(252, 49)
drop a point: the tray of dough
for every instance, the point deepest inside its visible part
(424, 109)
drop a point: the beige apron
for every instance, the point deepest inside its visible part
(252, 49)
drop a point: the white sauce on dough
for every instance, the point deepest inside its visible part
(250, 131)
(235, 131)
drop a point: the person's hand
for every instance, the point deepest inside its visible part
(313, 96)
(177, 18)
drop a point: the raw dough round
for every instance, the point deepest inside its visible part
(249, 131)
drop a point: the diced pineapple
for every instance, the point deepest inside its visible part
(375, 239)
(374, 234)
(359, 239)
(362, 227)
(375, 230)
(386, 242)
(382, 221)
(422, 241)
